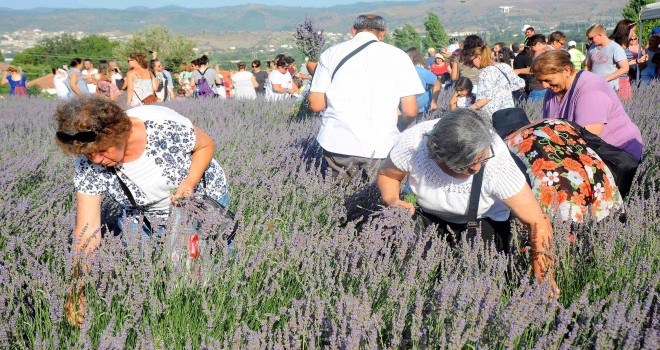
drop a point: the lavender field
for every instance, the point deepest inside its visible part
(314, 264)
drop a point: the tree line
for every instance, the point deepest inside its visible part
(407, 36)
(173, 49)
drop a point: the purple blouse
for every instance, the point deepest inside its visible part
(595, 102)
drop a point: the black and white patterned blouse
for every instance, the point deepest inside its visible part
(156, 175)
(496, 83)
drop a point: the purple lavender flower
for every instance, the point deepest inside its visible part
(309, 39)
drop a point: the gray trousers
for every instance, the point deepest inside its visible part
(349, 166)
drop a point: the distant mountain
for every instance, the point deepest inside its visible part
(455, 15)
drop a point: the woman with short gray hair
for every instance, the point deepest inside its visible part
(441, 158)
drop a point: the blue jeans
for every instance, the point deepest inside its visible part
(536, 95)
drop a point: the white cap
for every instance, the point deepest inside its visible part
(524, 28)
(572, 43)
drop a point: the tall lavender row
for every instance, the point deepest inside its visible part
(314, 264)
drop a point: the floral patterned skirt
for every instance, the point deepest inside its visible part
(568, 178)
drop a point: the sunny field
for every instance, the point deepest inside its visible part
(314, 265)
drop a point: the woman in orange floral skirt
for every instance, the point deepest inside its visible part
(568, 178)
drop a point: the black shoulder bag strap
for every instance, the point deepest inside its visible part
(353, 53)
(570, 96)
(202, 74)
(473, 204)
(131, 199)
(504, 74)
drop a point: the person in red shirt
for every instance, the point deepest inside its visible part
(441, 69)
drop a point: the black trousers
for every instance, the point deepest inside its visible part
(498, 232)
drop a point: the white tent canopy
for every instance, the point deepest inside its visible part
(647, 12)
(650, 11)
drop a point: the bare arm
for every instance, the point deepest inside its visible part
(130, 79)
(89, 78)
(524, 206)
(254, 81)
(409, 106)
(623, 69)
(280, 89)
(317, 101)
(595, 129)
(389, 184)
(480, 103)
(170, 92)
(453, 102)
(88, 224)
(454, 70)
(201, 158)
(154, 82)
(434, 94)
(192, 82)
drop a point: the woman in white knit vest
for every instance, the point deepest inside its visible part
(441, 158)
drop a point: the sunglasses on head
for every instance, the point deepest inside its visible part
(86, 136)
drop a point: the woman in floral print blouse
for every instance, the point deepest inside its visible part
(159, 154)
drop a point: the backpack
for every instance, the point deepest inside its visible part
(20, 90)
(203, 87)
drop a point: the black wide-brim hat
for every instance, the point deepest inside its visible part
(509, 119)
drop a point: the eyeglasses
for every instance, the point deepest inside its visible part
(593, 36)
(481, 162)
(86, 136)
(254, 66)
(562, 43)
(632, 39)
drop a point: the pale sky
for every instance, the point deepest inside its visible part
(121, 4)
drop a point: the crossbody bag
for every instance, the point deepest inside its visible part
(518, 95)
(205, 205)
(149, 99)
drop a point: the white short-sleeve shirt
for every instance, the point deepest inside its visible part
(275, 77)
(363, 98)
(91, 86)
(448, 197)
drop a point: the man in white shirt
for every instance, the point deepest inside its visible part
(361, 96)
(88, 74)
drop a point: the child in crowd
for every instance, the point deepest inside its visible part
(180, 93)
(463, 96)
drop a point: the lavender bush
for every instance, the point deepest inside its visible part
(305, 271)
(309, 39)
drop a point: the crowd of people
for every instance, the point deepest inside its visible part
(472, 168)
(148, 81)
